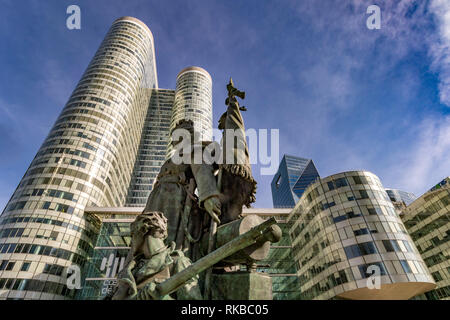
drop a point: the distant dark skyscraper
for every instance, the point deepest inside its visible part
(294, 175)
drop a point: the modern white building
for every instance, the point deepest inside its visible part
(345, 232)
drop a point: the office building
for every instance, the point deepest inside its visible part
(345, 228)
(294, 175)
(428, 222)
(104, 150)
(153, 146)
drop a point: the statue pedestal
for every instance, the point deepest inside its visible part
(241, 286)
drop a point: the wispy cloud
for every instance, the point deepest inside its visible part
(427, 161)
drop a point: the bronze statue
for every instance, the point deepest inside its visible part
(174, 194)
(150, 262)
(187, 199)
(156, 272)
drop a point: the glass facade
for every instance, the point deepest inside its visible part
(153, 147)
(86, 159)
(108, 257)
(344, 224)
(428, 222)
(294, 175)
(279, 262)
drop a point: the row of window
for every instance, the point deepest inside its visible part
(361, 249)
(53, 269)
(428, 210)
(42, 250)
(342, 182)
(90, 234)
(36, 286)
(47, 205)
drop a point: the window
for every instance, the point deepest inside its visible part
(437, 276)
(329, 205)
(360, 249)
(10, 266)
(9, 283)
(339, 219)
(367, 248)
(363, 194)
(25, 266)
(405, 266)
(341, 182)
(351, 214)
(3, 264)
(361, 232)
(391, 245)
(11, 248)
(330, 185)
(408, 246)
(357, 180)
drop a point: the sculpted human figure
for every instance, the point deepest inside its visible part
(173, 194)
(150, 261)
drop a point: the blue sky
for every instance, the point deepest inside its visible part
(347, 97)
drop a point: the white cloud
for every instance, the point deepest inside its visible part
(427, 161)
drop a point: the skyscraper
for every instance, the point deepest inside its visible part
(343, 229)
(104, 150)
(294, 175)
(428, 222)
(153, 146)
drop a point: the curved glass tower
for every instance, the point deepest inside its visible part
(86, 160)
(193, 100)
(346, 235)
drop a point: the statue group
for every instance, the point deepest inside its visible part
(193, 218)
